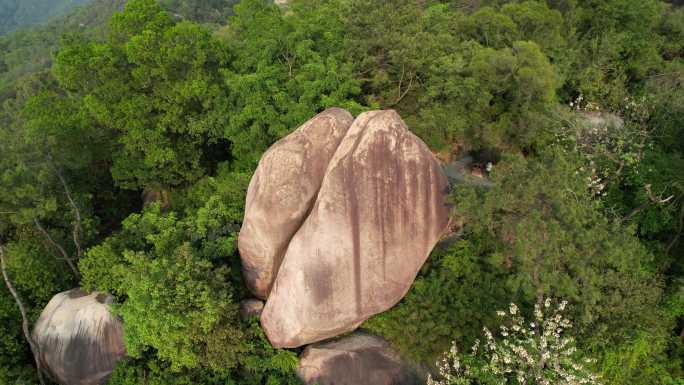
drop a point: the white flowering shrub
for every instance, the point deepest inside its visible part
(540, 351)
(612, 143)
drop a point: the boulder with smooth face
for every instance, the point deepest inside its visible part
(380, 211)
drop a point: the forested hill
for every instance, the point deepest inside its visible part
(133, 133)
(15, 14)
(30, 50)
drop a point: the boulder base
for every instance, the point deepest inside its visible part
(354, 360)
(379, 213)
(251, 308)
(80, 341)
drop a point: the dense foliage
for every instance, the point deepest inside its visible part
(207, 11)
(128, 138)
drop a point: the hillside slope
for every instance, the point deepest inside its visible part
(30, 50)
(15, 14)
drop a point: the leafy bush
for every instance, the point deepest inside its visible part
(444, 302)
(173, 275)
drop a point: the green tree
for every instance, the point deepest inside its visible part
(486, 98)
(172, 272)
(286, 69)
(260, 365)
(455, 77)
(553, 241)
(207, 11)
(618, 45)
(192, 309)
(445, 303)
(157, 85)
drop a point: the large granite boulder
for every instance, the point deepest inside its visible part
(80, 341)
(358, 359)
(282, 192)
(380, 211)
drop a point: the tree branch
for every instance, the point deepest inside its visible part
(406, 91)
(68, 260)
(76, 232)
(676, 237)
(24, 317)
(77, 226)
(635, 211)
(652, 199)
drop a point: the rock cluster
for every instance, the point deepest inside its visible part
(80, 341)
(337, 254)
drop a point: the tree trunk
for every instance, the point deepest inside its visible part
(24, 317)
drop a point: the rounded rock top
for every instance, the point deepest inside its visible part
(80, 340)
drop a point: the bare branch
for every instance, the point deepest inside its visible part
(77, 226)
(401, 81)
(24, 317)
(635, 211)
(69, 261)
(652, 199)
(406, 91)
(77, 229)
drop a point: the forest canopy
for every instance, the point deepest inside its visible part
(572, 109)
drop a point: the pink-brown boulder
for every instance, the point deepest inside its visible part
(281, 194)
(358, 359)
(79, 339)
(251, 308)
(380, 211)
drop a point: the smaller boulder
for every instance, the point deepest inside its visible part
(466, 171)
(595, 120)
(358, 359)
(163, 197)
(251, 308)
(80, 340)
